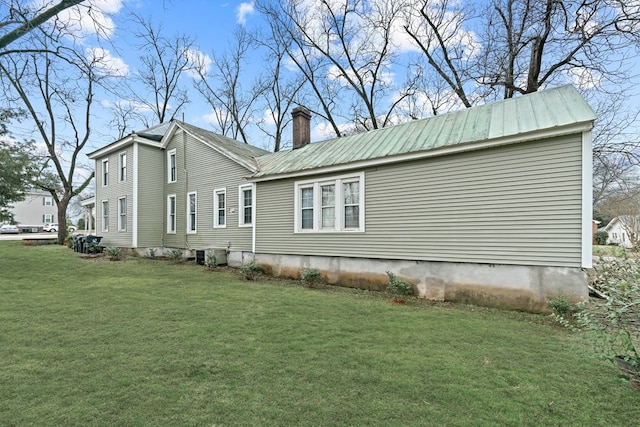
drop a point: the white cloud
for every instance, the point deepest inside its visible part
(243, 11)
(91, 17)
(106, 63)
(584, 78)
(200, 63)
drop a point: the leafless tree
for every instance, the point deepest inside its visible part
(523, 45)
(233, 104)
(345, 51)
(21, 19)
(155, 93)
(54, 80)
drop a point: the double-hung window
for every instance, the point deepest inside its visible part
(246, 202)
(172, 172)
(105, 172)
(122, 166)
(192, 208)
(105, 215)
(334, 204)
(220, 208)
(47, 218)
(122, 214)
(171, 214)
(47, 201)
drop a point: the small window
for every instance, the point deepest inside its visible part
(105, 173)
(192, 208)
(172, 172)
(171, 214)
(105, 215)
(47, 218)
(122, 166)
(122, 214)
(220, 208)
(246, 203)
(47, 201)
(330, 205)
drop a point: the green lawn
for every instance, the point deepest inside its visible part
(144, 342)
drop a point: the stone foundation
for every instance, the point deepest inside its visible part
(517, 287)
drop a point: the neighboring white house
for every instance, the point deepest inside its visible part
(37, 208)
(618, 230)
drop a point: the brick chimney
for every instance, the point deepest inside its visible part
(301, 127)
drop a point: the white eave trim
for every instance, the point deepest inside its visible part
(118, 145)
(577, 128)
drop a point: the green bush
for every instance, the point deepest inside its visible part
(211, 260)
(611, 324)
(176, 255)
(151, 253)
(113, 252)
(251, 270)
(311, 277)
(398, 287)
(601, 237)
(562, 306)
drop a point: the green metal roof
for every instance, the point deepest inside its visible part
(522, 118)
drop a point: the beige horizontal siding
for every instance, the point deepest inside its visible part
(112, 192)
(207, 170)
(151, 180)
(517, 204)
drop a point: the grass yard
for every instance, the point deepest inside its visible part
(148, 343)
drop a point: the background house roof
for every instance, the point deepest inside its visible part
(514, 120)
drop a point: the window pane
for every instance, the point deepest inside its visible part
(307, 218)
(351, 193)
(307, 197)
(221, 201)
(352, 216)
(248, 202)
(328, 217)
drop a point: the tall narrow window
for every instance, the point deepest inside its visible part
(219, 208)
(171, 214)
(172, 173)
(351, 194)
(306, 195)
(328, 206)
(246, 205)
(105, 173)
(105, 215)
(192, 206)
(122, 214)
(122, 160)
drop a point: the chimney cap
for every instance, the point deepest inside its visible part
(300, 110)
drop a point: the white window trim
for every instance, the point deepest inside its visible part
(339, 207)
(105, 183)
(48, 218)
(241, 206)
(105, 224)
(170, 153)
(216, 192)
(120, 166)
(122, 225)
(47, 201)
(195, 228)
(175, 214)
